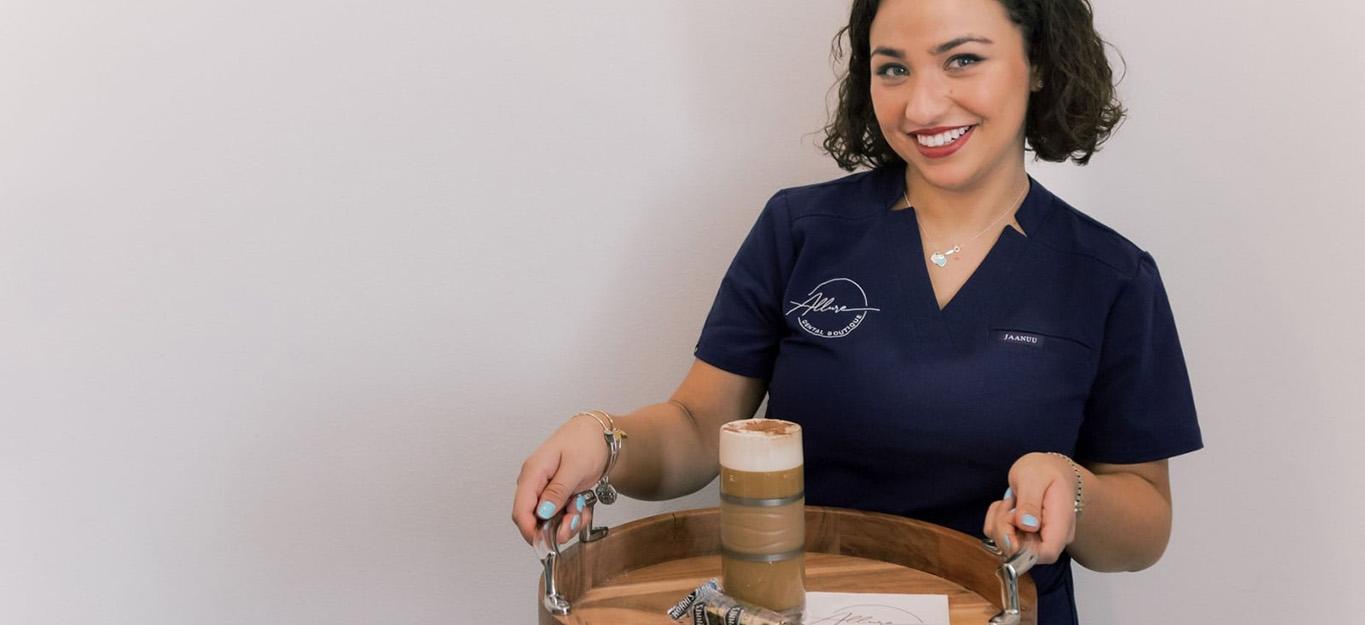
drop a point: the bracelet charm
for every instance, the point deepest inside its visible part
(615, 439)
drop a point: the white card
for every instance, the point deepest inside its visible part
(848, 608)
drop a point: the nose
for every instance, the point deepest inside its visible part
(929, 100)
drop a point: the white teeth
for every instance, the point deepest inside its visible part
(942, 138)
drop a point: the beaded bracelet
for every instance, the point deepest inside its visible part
(1078, 506)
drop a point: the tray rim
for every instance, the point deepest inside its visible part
(582, 562)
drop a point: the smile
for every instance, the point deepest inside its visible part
(943, 138)
(944, 144)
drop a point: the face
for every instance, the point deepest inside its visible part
(950, 64)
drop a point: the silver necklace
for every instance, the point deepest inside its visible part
(941, 258)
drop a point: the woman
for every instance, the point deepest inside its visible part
(959, 345)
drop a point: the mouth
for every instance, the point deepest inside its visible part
(944, 143)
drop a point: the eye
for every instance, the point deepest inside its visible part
(882, 71)
(974, 59)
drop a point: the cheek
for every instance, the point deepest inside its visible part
(984, 97)
(883, 108)
(1001, 106)
(1012, 95)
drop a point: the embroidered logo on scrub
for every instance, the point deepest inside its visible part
(1019, 338)
(832, 309)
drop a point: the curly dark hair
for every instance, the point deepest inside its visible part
(1075, 111)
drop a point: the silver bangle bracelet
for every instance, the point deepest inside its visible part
(615, 438)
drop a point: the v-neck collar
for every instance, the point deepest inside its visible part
(890, 188)
(978, 297)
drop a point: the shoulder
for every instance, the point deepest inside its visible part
(1072, 233)
(853, 196)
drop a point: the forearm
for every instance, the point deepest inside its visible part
(1126, 524)
(665, 454)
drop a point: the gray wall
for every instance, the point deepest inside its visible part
(289, 289)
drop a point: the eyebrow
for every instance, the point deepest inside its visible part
(936, 50)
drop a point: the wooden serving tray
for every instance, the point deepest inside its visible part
(638, 571)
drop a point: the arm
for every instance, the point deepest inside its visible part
(1127, 519)
(1140, 406)
(671, 449)
(1126, 522)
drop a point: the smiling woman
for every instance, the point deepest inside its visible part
(1070, 113)
(948, 333)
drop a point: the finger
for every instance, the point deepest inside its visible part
(535, 474)
(558, 492)
(1032, 543)
(988, 524)
(995, 527)
(587, 518)
(1003, 529)
(573, 518)
(1059, 520)
(1028, 513)
(1009, 538)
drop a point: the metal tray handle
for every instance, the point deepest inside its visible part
(547, 548)
(1011, 569)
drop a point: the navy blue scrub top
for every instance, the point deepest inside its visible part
(1062, 340)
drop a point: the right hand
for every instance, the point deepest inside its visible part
(569, 462)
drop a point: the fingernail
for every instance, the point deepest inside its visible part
(546, 510)
(1030, 520)
(580, 503)
(573, 525)
(1009, 492)
(1007, 543)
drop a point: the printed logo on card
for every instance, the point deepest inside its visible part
(832, 309)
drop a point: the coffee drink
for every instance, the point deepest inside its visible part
(762, 514)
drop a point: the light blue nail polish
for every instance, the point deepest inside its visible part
(580, 503)
(573, 525)
(1007, 543)
(546, 510)
(1030, 520)
(1009, 492)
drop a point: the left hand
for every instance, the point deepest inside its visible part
(1039, 507)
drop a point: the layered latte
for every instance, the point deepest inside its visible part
(762, 514)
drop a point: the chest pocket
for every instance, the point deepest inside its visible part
(1031, 388)
(1042, 363)
(1040, 344)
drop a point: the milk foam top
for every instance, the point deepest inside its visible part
(760, 445)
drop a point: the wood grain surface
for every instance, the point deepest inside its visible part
(642, 568)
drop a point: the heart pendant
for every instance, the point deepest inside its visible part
(939, 259)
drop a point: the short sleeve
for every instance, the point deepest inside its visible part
(745, 325)
(1140, 407)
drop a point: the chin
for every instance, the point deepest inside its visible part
(950, 176)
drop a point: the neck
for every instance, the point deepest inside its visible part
(955, 212)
